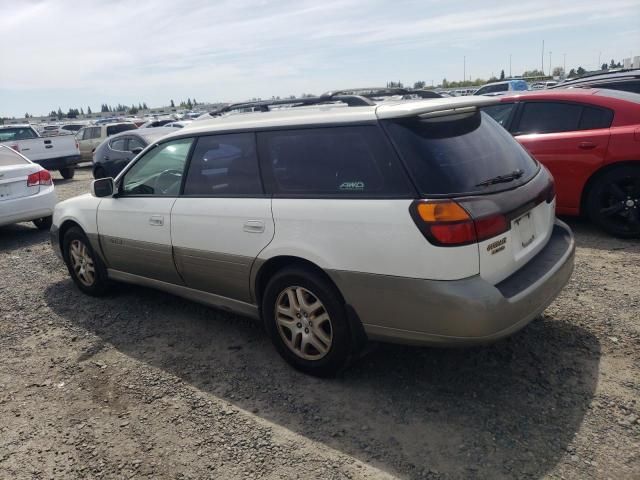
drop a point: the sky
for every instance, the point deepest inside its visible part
(73, 54)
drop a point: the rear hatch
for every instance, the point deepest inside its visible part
(466, 159)
(14, 171)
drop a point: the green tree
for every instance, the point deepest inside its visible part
(89, 112)
(172, 104)
(26, 115)
(572, 73)
(133, 110)
(59, 114)
(581, 71)
(419, 85)
(53, 114)
(604, 66)
(81, 111)
(144, 106)
(558, 71)
(501, 74)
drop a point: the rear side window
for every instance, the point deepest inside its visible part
(224, 165)
(549, 117)
(94, 133)
(595, 118)
(113, 129)
(354, 161)
(454, 155)
(500, 112)
(135, 142)
(9, 157)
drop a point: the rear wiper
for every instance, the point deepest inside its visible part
(509, 177)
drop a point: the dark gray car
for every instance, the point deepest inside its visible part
(117, 151)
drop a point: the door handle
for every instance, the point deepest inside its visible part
(156, 220)
(587, 145)
(253, 226)
(48, 146)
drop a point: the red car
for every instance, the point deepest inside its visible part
(590, 141)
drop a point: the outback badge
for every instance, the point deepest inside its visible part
(497, 246)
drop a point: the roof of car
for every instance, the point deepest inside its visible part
(17, 125)
(600, 77)
(598, 95)
(148, 134)
(332, 114)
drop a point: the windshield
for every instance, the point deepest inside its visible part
(454, 155)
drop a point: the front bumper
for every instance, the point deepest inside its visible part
(459, 312)
(59, 162)
(55, 241)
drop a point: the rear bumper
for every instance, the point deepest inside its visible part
(59, 162)
(29, 208)
(460, 312)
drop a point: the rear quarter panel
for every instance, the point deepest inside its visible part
(369, 236)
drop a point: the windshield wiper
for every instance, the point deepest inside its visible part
(509, 177)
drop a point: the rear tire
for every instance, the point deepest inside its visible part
(43, 223)
(613, 203)
(84, 265)
(67, 173)
(305, 317)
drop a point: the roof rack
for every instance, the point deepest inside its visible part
(264, 105)
(377, 92)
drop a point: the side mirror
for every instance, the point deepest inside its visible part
(103, 187)
(136, 150)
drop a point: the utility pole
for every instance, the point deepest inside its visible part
(564, 63)
(509, 65)
(550, 63)
(542, 57)
(464, 68)
(599, 64)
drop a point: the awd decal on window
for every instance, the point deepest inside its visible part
(352, 186)
(497, 246)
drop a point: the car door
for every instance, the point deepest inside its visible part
(223, 219)
(134, 226)
(570, 139)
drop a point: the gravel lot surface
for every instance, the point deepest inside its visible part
(141, 384)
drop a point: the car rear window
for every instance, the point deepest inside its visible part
(453, 155)
(16, 133)
(9, 157)
(353, 161)
(113, 129)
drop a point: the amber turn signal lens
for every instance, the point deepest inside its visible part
(442, 212)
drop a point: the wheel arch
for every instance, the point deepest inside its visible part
(596, 175)
(264, 270)
(64, 228)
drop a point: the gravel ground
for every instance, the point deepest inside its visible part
(141, 384)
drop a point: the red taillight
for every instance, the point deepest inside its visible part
(43, 177)
(446, 223)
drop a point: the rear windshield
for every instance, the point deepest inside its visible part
(453, 155)
(113, 129)
(9, 157)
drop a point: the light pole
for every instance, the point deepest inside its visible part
(464, 68)
(564, 63)
(509, 65)
(549, 62)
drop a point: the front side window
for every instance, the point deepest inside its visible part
(549, 117)
(159, 171)
(118, 144)
(337, 161)
(224, 165)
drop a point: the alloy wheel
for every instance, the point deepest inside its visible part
(82, 263)
(303, 323)
(620, 203)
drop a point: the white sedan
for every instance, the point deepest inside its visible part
(26, 190)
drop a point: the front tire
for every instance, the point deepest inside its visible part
(43, 223)
(67, 173)
(613, 203)
(85, 267)
(306, 319)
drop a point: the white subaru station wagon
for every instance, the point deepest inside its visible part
(334, 221)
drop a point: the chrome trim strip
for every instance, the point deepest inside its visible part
(223, 303)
